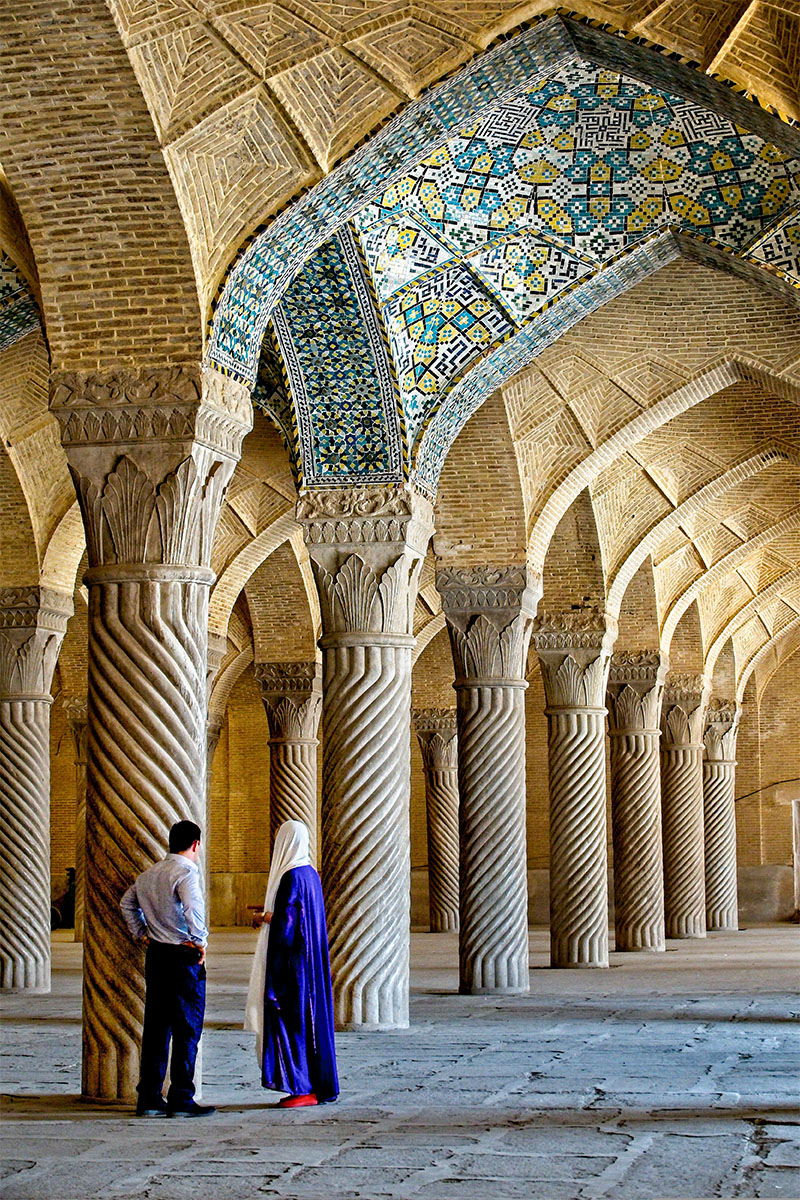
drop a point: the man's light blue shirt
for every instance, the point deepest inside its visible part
(166, 903)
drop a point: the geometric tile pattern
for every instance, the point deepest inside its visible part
(339, 373)
(436, 329)
(536, 209)
(780, 248)
(19, 313)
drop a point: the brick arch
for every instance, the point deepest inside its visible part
(764, 460)
(80, 153)
(740, 618)
(480, 480)
(783, 645)
(573, 566)
(727, 563)
(705, 385)
(19, 560)
(282, 622)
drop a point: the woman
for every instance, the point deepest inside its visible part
(289, 1001)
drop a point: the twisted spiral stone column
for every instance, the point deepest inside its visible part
(151, 452)
(489, 611)
(146, 770)
(719, 816)
(292, 696)
(32, 625)
(682, 716)
(79, 728)
(574, 650)
(436, 733)
(366, 548)
(635, 686)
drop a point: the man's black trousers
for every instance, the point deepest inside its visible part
(174, 1006)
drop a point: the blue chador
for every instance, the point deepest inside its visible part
(299, 1055)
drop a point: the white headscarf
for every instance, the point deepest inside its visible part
(291, 850)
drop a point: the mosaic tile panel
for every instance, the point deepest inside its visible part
(400, 251)
(436, 330)
(339, 372)
(525, 272)
(781, 246)
(486, 246)
(19, 314)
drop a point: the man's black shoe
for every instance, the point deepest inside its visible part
(192, 1110)
(154, 1108)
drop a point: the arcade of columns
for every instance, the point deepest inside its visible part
(150, 504)
(149, 173)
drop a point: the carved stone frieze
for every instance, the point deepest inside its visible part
(491, 588)
(354, 516)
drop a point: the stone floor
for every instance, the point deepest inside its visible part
(666, 1076)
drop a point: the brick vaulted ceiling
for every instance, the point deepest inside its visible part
(255, 101)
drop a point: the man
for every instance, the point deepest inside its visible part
(164, 909)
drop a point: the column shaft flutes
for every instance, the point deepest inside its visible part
(489, 611)
(292, 696)
(32, 625)
(574, 649)
(634, 706)
(366, 548)
(719, 816)
(682, 716)
(436, 731)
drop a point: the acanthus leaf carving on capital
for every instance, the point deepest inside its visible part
(76, 710)
(130, 519)
(436, 730)
(634, 691)
(488, 651)
(292, 695)
(683, 710)
(722, 727)
(631, 711)
(33, 622)
(574, 650)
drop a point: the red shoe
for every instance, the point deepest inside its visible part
(298, 1101)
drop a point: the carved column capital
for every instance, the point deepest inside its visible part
(574, 650)
(33, 622)
(683, 710)
(634, 691)
(292, 695)
(437, 735)
(489, 612)
(151, 452)
(366, 547)
(78, 721)
(722, 727)
(217, 649)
